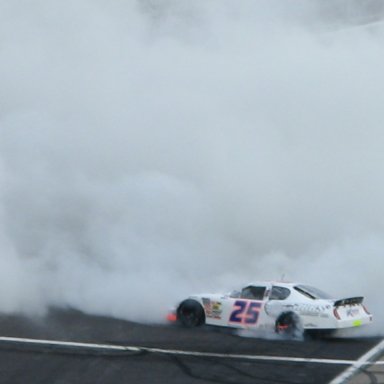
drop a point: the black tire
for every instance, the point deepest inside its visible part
(288, 324)
(190, 313)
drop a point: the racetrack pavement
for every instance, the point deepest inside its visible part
(67, 346)
(370, 374)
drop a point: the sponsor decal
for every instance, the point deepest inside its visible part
(213, 309)
(311, 310)
(352, 312)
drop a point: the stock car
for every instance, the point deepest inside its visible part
(287, 308)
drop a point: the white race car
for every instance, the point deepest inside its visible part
(286, 308)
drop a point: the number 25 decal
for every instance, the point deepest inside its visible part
(246, 312)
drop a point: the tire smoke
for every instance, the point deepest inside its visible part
(150, 149)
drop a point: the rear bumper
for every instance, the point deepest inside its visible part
(354, 322)
(332, 323)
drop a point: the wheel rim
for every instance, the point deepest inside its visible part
(286, 325)
(189, 317)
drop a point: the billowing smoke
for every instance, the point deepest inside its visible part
(151, 149)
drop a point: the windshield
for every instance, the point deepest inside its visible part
(312, 292)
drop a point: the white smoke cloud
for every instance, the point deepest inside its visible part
(151, 149)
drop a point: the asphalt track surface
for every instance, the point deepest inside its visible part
(136, 353)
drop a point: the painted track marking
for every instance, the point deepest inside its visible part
(128, 348)
(363, 361)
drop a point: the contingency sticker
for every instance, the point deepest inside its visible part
(212, 308)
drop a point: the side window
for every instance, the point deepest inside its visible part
(279, 293)
(253, 293)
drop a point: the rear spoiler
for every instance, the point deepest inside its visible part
(349, 301)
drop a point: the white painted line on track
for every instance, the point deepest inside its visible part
(129, 348)
(363, 361)
(57, 343)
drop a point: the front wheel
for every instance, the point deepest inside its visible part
(190, 313)
(288, 324)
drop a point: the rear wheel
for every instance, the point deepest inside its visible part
(288, 324)
(190, 313)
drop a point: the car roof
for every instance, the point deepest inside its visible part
(271, 283)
